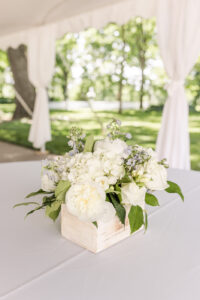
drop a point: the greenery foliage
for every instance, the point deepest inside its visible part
(117, 62)
(6, 82)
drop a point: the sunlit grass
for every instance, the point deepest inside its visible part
(143, 126)
(7, 108)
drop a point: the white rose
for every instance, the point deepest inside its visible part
(116, 146)
(86, 201)
(48, 184)
(103, 182)
(157, 176)
(133, 194)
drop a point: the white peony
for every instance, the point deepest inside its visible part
(157, 176)
(86, 201)
(132, 194)
(48, 181)
(116, 146)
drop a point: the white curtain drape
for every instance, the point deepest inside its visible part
(41, 56)
(179, 41)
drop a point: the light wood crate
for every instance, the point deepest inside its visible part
(87, 235)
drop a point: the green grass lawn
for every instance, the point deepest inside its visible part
(143, 126)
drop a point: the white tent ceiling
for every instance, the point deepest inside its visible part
(18, 17)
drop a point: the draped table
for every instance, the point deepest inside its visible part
(37, 263)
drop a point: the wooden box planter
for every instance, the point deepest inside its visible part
(87, 235)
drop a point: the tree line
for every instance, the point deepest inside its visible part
(116, 62)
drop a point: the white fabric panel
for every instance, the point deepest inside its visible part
(119, 12)
(41, 56)
(17, 21)
(13, 40)
(179, 41)
(37, 263)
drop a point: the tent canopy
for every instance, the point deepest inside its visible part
(19, 18)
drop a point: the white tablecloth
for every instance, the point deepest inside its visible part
(37, 263)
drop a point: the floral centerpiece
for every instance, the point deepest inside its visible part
(98, 180)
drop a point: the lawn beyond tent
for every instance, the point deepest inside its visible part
(143, 126)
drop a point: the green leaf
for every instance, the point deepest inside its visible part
(150, 199)
(108, 198)
(53, 210)
(174, 188)
(32, 211)
(25, 203)
(48, 200)
(95, 224)
(120, 210)
(136, 218)
(108, 191)
(61, 190)
(146, 221)
(38, 193)
(89, 144)
(126, 179)
(118, 191)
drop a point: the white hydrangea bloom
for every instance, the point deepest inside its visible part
(78, 167)
(132, 194)
(94, 167)
(116, 146)
(101, 167)
(86, 201)
(112, 165)
(48, 181)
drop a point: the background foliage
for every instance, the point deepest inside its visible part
(117, 62)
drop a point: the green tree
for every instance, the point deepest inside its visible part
(119, 62)
(143, 47)
(65, 56)
(6, 80)
(117, 56)
(119, 48)
(91, 60)
(106, 50)
(193, 84)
